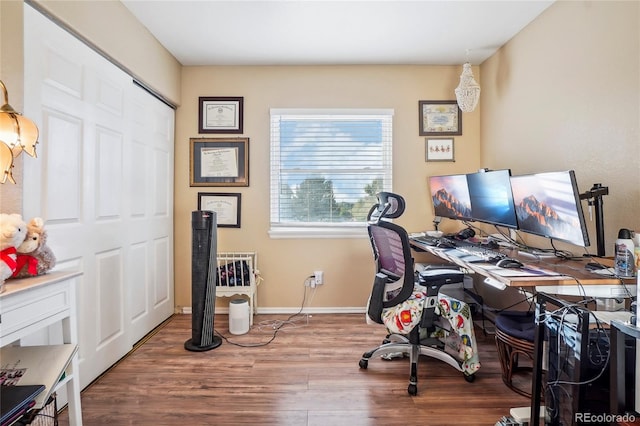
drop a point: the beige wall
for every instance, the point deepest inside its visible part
(562, 94)
(565, 94)
(285, 263)
(11, 72)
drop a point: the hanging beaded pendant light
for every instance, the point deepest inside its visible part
(468, 91)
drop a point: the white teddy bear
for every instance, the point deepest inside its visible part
(13, 230)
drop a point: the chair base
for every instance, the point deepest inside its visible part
(398, 343)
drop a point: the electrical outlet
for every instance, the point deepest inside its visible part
(319, 277)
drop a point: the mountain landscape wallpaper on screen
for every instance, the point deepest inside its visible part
(447, 205)
(540, 218)
(548, 204)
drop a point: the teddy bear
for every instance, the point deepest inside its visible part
(34, 255)
(12, 233)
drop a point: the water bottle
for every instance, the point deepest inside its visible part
(624, 260)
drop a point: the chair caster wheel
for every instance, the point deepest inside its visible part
(364, 363)
(470, 378)
(412, 390)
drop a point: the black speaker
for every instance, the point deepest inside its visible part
(203, 282)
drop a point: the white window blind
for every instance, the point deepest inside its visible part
(327, 166)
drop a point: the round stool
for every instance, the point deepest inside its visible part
(515, 331)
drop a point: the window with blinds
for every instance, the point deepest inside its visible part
(327, 166)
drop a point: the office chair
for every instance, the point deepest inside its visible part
(407, 302)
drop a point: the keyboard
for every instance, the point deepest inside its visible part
(473, 249)
(425, 239)
(486, 254)
(435, 241)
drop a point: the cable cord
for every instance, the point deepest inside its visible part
(528, 300)
(275, 325)
(557, 388)
(562, 325)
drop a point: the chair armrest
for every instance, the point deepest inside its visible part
(433, 279)
(440, 276)
(376, 303)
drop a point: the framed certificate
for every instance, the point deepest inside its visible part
(226, 205)
(440, 118)
(220, 114)
(219, 162)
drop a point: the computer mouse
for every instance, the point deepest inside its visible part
(509, 263)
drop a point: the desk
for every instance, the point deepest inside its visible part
(30, 304)
(570, 273)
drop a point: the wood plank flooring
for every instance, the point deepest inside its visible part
(308, 375)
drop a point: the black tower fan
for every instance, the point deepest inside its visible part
(203, 282)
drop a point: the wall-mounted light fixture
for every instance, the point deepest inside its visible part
(17, 134)
(468, 91)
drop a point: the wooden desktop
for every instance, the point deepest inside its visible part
(563, 272)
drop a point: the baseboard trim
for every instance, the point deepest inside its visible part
(273, 311)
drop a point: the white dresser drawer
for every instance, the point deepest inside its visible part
(32, 303)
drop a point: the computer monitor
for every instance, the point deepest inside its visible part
(491, 198)
(450, 196)
(548, 204)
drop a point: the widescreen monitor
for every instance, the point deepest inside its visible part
(548, 204)
(491, 198)
(450, 196)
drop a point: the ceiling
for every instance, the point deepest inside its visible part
(324, 32)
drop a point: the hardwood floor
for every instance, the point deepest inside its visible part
(308, 375)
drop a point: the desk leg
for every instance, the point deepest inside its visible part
(536, 380)
(73, 392)
(70, 335)
(617, 371)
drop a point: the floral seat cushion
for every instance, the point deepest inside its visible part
(454, 325)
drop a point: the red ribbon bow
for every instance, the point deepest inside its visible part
(8, 256)
(30, 261)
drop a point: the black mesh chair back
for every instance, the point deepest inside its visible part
(392, 253)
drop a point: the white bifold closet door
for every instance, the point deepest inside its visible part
(103, 183)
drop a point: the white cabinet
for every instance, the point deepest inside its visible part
(31, 304)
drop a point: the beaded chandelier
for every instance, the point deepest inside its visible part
(468, 91)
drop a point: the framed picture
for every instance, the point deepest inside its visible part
(440, 118)
(439, 149)
(220, 114)
(226, 205)
(219, 162)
